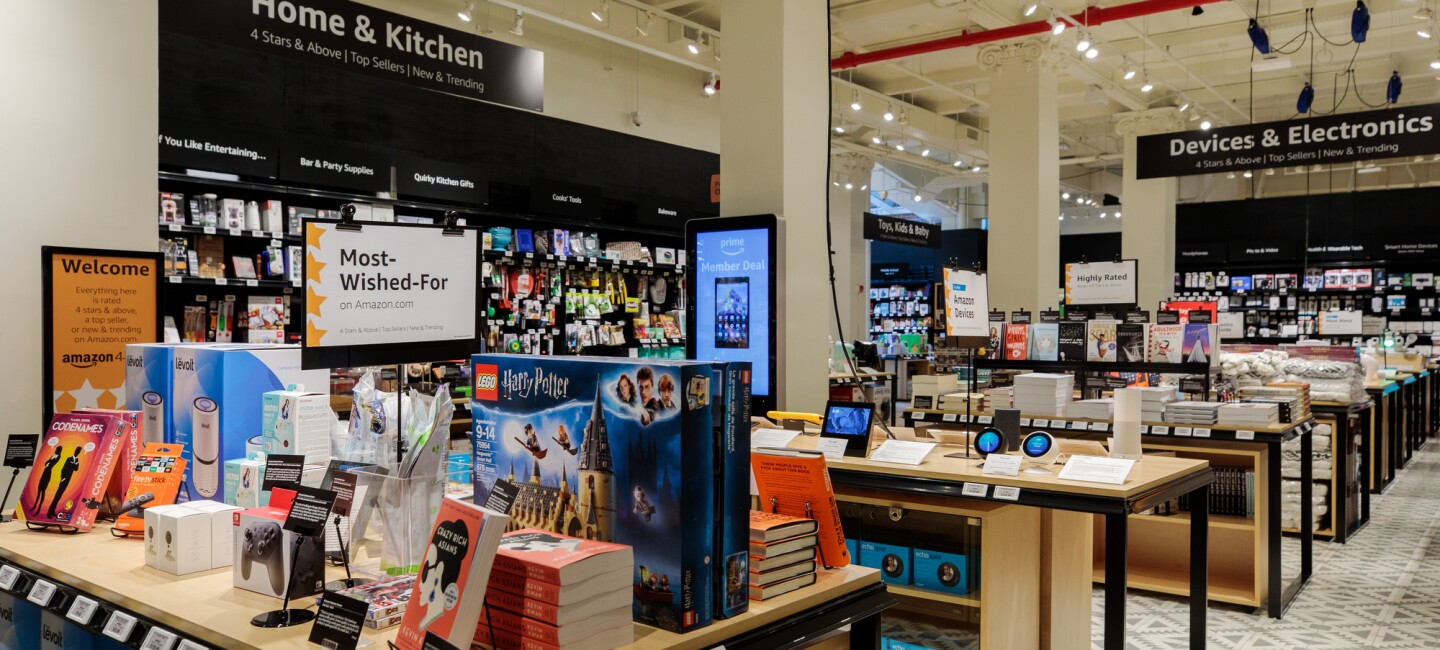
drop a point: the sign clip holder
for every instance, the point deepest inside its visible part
(347, 219)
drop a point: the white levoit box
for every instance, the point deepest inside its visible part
(297, 422)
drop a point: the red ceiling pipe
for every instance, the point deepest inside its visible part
(1089, 18)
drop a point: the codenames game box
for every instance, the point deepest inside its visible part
(613, 450)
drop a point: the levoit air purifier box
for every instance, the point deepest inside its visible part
(219, 395)
(615, 450)
(149, 387)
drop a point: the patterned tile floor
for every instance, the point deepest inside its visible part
(1381, 590)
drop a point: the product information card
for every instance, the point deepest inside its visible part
(282, 470)
(903, 452)
(1003, 465)
(20, 450)
(339, 621)
(310, 510)
(1093, 469)
(833, 448)
(772, 438)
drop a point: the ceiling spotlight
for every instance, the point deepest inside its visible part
(1423, 32)
(975, 168)
(465, 11)
(889, 112)
(1230, 176)
(643, 27)
(876, 138)
(1062, 217)
(1147, 86)
(1030, 8)
(839, 128)
(1194, 11)
(713, 86)
(884, 195)
(835, 183)
(1117, 215)
(1248, 174)
(1423, 13)
(1057, 27)
(904, 116)
(918, 198)
(1270, 172)
(957, 163)
(1082, 44)
(1129, 71)
(518, 28)
(1065, 195)
(601, 12)
(899, 146)
(693, 45)
(1435, 64)
(865, 187)
(1092, 52)
(925, 153)
(855, 101)
(849, 185)
(1104, 214)
(1205, 124)
(1184, 105)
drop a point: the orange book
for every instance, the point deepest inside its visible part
(545, 592)
(796, 483)
(449, 592)
(559, 559)
(556, 615)
(766, 527)
(1016, 341)
(612, 638)
(561, 635)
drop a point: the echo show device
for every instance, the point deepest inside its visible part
(849, 421)
(1040, 447)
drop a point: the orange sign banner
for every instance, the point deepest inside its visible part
(95, 302)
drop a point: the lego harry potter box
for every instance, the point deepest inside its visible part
(612, 450)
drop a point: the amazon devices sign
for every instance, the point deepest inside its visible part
(1388, 133)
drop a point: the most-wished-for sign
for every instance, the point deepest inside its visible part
(1386, 133)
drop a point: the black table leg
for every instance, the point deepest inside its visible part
(865, 633)
(1199, 564)
(1340, 477)
(1117, 527)
(1307, 506)
(1363, 450)
(1276, 591)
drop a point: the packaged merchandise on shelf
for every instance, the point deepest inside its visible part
(232, 214)
(220, 397)
(266, 320)
(149, 387)
(243, 477)
(387, 599)
(131, 439)
(942, 571)
(265, 553)
(449, 592)
(893, 561)
(628, 445)
(172, 208)
(296, 421)
(188, 537)
(77, 460)
(605, 630)
(155, 477)
(730, 411)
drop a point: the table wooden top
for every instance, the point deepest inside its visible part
(207, 607)
(1149, 473)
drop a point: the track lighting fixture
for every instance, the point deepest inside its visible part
(1065, 195)
(518, 28)
(466, 11)
(918, 198)
(713, 86)
(1104, 214)
(889, 113)
(601, 12)
(1205, 124)
(1092, 52)
(1082, 44)
(1117, 215)
(839, 128)
(975, 168)
(835, 183)
(899, 146)
(855, 101)
(865, 187)
(1423, 32)
(1184, 105)
(1435, 63)
(693, 45)
(876, 138)
(925, 153)
(1057, 26)
(849, 185)
(646, 22)
(958, 163)
(1030, 8)
(884, 195)
(1147, 86)
(1392, 88)
(1128, 71)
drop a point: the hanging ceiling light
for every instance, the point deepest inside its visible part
(855, 101)
(1248, 174)
(839, 128)
(876, 138)
(518, 28)
(1359, 22)
(1083, 43)
(1065, 195)
(1423, 13)
(1307, 97)
(1104, 214)
(646, 22)
(1128, 72)
(958, 163)
(1423, 32)
(466, 11)
(889, 112)
(713, 86)
(1184, 105)
(1205, 124)
(900, 146)
(904, 116)
(1147, 86)
(601, 12)
(975, 168)
(1117, 215)
(865, 187)
(1435, 63)
(884, 195)
(1030, 8)
(918, 198)
(1092, 52)
(1270, 172)
(1230, 176)
(1194, 11)
(693, 44)
(925, 153)
(849, 185)
(1057, 27)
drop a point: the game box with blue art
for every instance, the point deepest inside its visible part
(613, 450)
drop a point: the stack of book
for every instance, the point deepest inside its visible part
(549, 591)
(1044, 393)
(956, 401)
(782, 554)
(1293, 399)
(1192, 412)
(998, 398)
(1153, 400)
(1247, 415)
(1094, 409)
(925, 390)
(387, 599)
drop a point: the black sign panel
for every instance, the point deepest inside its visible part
(1137, 316)
(1201, 316)
(415, 176)
(356, 38)
(562, 199)
(1049, 316)
(1254, 251)
(1188, 253)
(220, 148)
(889, 271)
(1020, 317)
(502, 496)
(664, 213)
(1164, 317)
(1077, 316)
(343, 483)
(1394, 246)
(901, 231)
(1386, 133)
(329, 163)
(20, 449)
(339, 621)
(282, 470)
(309, 511)
(1340, 248)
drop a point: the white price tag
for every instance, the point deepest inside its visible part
(252, 283)
(258, 233)
(275, 243)
(1077, 425)
(1244, 435)
(984, 419)
(209, 230)
(174, 227)
(1202, 433)
(1024, 422)
(549, 256)
(41, 592)
(1041, 424)
(975, 490)
(1184, 431)
(8, 575)
(187, 644)
(1099, 426)
(120, 626)
(949, 417)
(277, 235)
(529, 256)
(1144, 428)
(174, 279)
(294, 283)
(1007, 493)
(81, 610)
(158, 639)
(222, 281)
(1160, 431)
(1002, 465)
(236, 232)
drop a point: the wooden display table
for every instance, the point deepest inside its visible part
(1154, 480)
(1385, 430)
(1349, 480)
(207, 608)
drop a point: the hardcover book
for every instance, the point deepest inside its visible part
(1100, 341)
(612, 450)
(1130, 342)
(79, 454)
(1071, 341)
(557, 615)
(558, 559)
(449, 591)
(1016, 342)
(1165, 343)
(1196, 345)
(547, 592)
(766, 527)
(798, 484)
(767, 592)
(1044, 342)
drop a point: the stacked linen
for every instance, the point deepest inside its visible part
(1290, 504)
(1321, 459)
(1192, 412)
(1044, 393)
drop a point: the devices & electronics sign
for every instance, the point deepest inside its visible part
(1386, 133)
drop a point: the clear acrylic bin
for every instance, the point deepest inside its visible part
(391, 518)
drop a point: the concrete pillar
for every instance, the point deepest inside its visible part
(774, 125)
(1147, 230)
(1024, 246)
(852, 256)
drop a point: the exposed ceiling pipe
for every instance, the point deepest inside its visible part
(1089, 18)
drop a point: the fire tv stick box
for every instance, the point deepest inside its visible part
(219, 396)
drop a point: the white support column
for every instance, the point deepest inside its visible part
(1147, 230)
(1024, 245)
(847, 224)
(774, 125)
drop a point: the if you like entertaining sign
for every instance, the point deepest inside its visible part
(357, 38)
(1386, 133)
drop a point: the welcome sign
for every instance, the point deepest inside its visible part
(1385, 133)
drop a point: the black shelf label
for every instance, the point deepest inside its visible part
(562, 199)
(415, 176)
(331, 164)
(220, 148)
